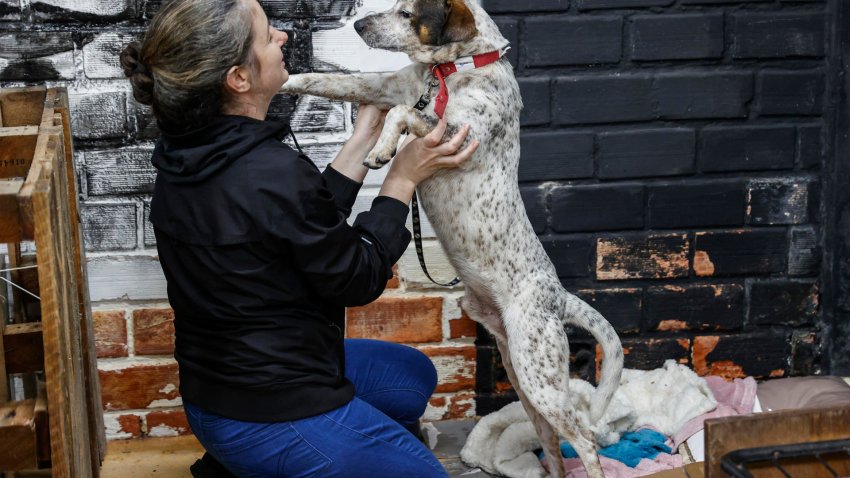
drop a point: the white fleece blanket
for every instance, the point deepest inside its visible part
(663, 399)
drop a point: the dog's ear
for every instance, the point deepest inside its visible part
(460, 23)
(431, 21)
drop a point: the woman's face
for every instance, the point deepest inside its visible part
(268, 44)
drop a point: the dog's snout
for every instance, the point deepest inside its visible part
(360, 25)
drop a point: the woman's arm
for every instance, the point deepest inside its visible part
(367, 130)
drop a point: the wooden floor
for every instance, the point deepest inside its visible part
(149, 458)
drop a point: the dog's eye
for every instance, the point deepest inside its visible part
(405, 14)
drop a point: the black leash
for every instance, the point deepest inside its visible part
(417, 238)
(424, 100)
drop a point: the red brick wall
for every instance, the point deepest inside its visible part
(139, 377)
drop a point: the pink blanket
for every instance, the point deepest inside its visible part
(733, 398)
(617, 469)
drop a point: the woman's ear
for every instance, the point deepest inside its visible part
(460, 23)
(238, 80)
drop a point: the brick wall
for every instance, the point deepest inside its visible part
(672, 166)
(672, 163)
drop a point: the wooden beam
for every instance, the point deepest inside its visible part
(17, 434)
(70, 435)
(783, 427)
(92, 376)
(24, 348)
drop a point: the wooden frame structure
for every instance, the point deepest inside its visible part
(784, 427)
(38, 201)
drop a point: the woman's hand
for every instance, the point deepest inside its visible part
(422, 157)
(369, 124)
(367, 130)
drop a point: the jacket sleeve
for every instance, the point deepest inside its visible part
(344, 264)
(343, 188)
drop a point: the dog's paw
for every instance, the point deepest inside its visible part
(378, 157)
(375, 162)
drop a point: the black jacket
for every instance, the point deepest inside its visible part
(260, 264)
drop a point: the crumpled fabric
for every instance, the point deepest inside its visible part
(663, 399)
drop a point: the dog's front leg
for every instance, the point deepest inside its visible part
(398, 119)
(384, 90)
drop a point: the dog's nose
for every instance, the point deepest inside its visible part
(360, 25)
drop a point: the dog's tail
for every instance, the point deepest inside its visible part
(578, 313)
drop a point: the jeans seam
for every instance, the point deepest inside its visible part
(394, 390)
(379, 439)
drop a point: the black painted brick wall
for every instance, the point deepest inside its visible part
(671, 164)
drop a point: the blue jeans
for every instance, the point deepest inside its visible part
(364, 438)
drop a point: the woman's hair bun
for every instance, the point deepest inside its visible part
(138, 73)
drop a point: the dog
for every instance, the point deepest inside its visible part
(511, 286)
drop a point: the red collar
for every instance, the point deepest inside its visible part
(466, 63)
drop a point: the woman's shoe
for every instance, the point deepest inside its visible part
(209, 467)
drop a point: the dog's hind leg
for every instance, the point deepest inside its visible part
(539, 353)
(584, 444)
(548, 437)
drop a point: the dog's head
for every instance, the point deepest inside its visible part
(425, 28)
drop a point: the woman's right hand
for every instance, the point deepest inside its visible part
(419, 159)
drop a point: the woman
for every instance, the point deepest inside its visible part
(260, 260)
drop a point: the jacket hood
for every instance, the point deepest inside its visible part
(198, 154)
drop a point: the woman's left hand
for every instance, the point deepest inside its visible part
(369, 123)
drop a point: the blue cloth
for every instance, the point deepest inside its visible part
(364, 438)
(632, 447)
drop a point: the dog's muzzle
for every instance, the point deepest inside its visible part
(361, 25)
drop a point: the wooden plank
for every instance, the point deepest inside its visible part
(82, 423)
(17, 434)
(17, 145)
(776, 428)
(92, 381)
(69, 429)
(22, 106)
(10, 224)
(55, 342)
(24, 348)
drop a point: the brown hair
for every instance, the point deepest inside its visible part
(180, 65)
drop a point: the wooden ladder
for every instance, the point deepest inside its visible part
(62, 426)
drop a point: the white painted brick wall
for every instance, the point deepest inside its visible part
(122, 259)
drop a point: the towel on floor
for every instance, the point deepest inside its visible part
(630, 450)
(662, 399)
